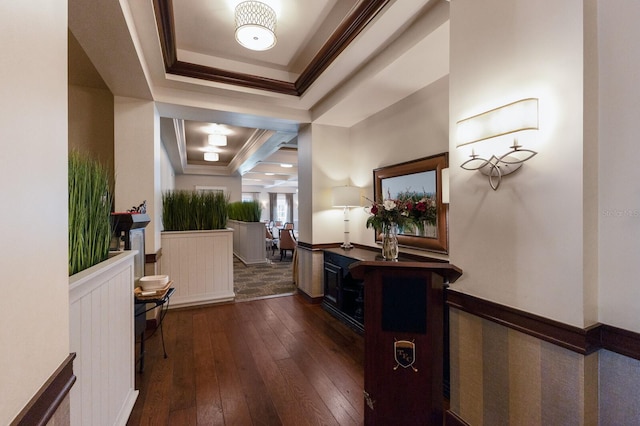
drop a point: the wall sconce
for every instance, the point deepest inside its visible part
(346, 197)
(445, 185)
(510, 118)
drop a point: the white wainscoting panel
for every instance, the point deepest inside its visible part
(249, 241)
(102, 336)
(200, 264)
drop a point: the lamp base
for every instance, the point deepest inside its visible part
(346, 246)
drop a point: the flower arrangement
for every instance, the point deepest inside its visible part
(421, 206)
(383, 214)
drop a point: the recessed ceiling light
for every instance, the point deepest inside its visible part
(286, 165)
(218, 140)
(269, 174)
(211, 156)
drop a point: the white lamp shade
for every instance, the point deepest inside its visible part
(513, 117)
(211, 156)
(218, 140)
(445, 186)
(255, 25)
(346, 196)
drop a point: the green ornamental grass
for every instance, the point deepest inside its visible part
(89, 212)
(245, 211)
(184, 210)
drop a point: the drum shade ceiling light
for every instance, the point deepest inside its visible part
(255, 25)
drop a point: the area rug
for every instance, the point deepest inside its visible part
(274, 278)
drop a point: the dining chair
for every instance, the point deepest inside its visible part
(287, 243)
(270, 242)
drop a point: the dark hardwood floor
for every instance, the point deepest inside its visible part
(279, 361)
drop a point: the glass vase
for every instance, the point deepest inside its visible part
(390, 241)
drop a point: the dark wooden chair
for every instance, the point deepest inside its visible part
(287, 243)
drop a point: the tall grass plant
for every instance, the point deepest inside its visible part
(89, 212)
(245, 211)
(184, 210)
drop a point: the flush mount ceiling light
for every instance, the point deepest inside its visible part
(255, 25)
(211, 156)
(218, 140)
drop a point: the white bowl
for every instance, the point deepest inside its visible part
(153, 282)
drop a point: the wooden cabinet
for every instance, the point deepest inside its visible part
(343, 295)
(403, 375)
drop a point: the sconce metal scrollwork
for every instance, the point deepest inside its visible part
(496, 167)
(510, 118)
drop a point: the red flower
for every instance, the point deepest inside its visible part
(421, 206)
(374, 209)
(409, 205)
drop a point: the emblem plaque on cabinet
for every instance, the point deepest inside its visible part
(404, 353)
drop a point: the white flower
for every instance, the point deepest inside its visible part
(389, 205)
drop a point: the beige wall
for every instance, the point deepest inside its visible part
(619, 177)
(521, 245)
(34, 308)
(413, 128)
(554, 239)
(232, 184)
(137, 155)
(91, 123)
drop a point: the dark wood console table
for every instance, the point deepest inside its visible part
(343, 294)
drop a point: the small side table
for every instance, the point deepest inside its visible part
(160, 300)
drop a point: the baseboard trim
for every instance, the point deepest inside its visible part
(621, 341)
(309, 299)
(452, 419)
(581, 340)
(46, 401)
(153, 257)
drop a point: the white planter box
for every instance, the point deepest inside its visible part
(249, 241)
(102, 336)
(200, 264)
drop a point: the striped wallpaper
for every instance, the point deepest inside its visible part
(500, 376)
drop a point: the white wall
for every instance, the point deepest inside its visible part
(619, 178)
(137, 157)
(34, 307)
(332, 165)
(413, 128)
(91, 123)
(521, 245)
(232, 184)
(167, 174)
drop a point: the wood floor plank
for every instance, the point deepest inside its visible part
(255, 390)
(234, 405)
(350, 383)
(342, 408)
(285, 401)
(263, 362)
(183, 417)
(306, 395)
(183, 394)
(158, 378)
(208, 400)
